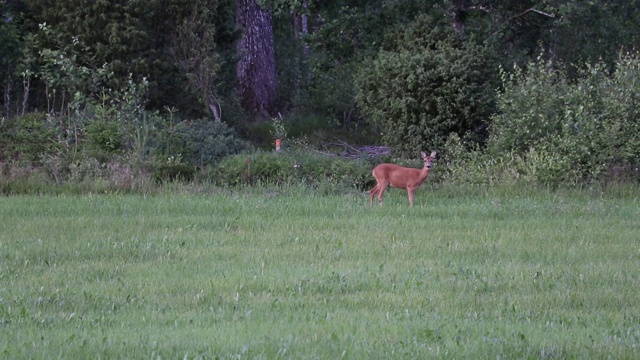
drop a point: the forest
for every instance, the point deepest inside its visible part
(126, 93)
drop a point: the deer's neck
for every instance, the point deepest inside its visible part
(424, 172)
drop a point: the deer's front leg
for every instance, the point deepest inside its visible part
(411, 193)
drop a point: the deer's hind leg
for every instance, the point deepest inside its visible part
(379, 191)
(373, 192)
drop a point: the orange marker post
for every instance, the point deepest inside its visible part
(278, 145)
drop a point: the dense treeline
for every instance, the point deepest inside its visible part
(171, 87)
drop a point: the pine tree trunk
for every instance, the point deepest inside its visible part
(256, 68)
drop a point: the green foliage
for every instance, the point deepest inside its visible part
(526, 111)
(194, 52)
(104, 71)
(294, 167)
(332, 95)
(199, 143)
(187, 48)
(350, 32)
(58, 175)
(55, 61)
(172, 168)
(17, 179)
(593, 31)
(584, 128)
(106, 136)
(430, 86)
(115, 129)
(9, 53)
(182, 148)
(30, 137)
(467, 164)
(278, 129)
(622, 130)
(114, 122)
(133, 39)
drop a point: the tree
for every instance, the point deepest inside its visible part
(9, 54)
(433, 83)
(114, 33)
(256, 67)
(194, 52)
(590, 31)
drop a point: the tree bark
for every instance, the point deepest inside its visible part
(256, 68)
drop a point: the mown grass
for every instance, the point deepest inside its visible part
(287, 273)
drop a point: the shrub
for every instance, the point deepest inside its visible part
(574, 131)
(529, 107)
(294, 167)
(29, 137)
(463, 162)
(172, 168)
(332, 95)
(199, 143)
(19, 178)
(432, 85)
(106, 136)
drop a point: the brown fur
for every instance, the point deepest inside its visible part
(400, 177)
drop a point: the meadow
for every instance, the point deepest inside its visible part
(287, 273)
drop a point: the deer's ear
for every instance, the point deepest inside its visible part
(423, 154)
(433, 154)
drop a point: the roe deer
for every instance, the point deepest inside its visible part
(400, 177)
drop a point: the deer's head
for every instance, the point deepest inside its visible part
(428, 160)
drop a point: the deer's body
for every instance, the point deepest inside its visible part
(400, 177)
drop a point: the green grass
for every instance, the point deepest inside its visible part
(290, 274)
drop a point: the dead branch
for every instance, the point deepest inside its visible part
(521, 14)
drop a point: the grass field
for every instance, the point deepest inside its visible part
(289, 274)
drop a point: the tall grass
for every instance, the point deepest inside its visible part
(291, 274)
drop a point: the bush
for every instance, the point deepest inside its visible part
(295, 167)
(29, 137)
(432, 85)
(106, 136)
(172, 168)
(199, 143)
(575, 131)
(529, 107)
